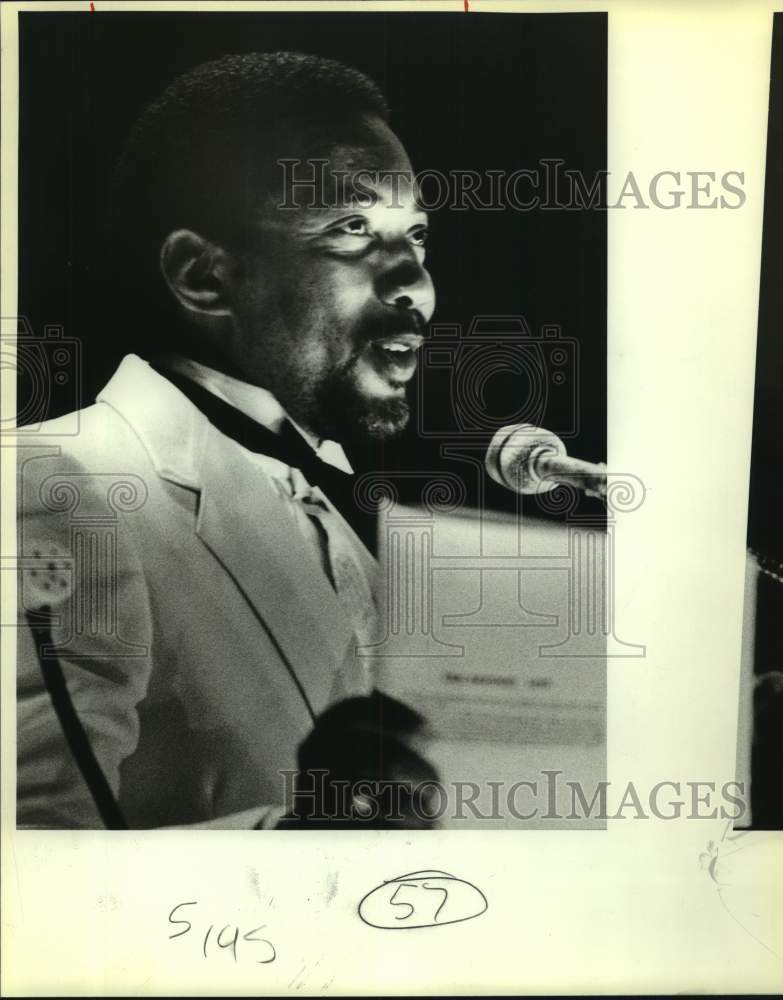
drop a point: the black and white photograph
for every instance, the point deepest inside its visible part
(391, 482)
(346, 616)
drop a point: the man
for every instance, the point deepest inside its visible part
(197, 590)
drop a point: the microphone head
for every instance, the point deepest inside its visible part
(511, 457)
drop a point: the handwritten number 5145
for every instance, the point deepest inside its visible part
(224, 940)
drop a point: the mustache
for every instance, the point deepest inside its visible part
(393, 324)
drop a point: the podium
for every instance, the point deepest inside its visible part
(496, 628)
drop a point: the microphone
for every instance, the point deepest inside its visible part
(529, 459)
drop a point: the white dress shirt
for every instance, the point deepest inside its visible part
(260, 405)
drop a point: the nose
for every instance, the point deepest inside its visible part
(405, 284)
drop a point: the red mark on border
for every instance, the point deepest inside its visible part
(467, 8)
(92, 6)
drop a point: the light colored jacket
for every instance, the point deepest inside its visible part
(196, 630)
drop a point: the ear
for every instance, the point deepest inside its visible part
(196, 271)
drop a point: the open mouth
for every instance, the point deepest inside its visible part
(395, 356)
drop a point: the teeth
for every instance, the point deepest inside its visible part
(396, 347)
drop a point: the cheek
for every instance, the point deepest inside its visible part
(350, 281)
(306, 312)
(336, 300)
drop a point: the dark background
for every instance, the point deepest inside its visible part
(765, 521)
(765, 524)
(467, 91)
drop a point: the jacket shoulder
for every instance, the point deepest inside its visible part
(89, 439)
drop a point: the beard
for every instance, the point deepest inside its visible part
(347, 415)
(359, 398)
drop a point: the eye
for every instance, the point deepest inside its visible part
(419, 236)
(353, 227)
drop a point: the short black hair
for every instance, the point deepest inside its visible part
(196, 154)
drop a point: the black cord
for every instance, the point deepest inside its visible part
(71, 725)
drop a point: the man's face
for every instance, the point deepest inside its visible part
(330, 303)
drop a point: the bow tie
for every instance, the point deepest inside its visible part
(288, 447)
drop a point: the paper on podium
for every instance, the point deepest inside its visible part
(496, 630)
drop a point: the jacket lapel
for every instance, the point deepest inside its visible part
(244, 523)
